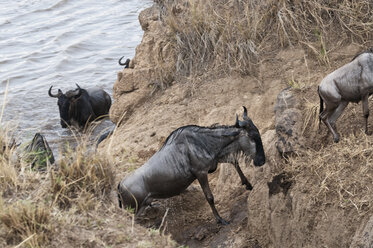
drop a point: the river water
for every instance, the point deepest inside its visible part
(60, 43)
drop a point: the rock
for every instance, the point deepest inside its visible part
(288, 122)
(269, 139)
(148, 15)
(153, 67)
(38, 153)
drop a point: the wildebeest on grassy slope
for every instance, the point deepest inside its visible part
(189, 153)
(352, 82)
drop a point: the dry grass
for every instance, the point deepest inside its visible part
(228, 36)
(68, 205)
(310, 116)
(81, 175)
(29, 222)
(339, 174)
(8, 165)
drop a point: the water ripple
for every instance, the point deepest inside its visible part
(61, 43)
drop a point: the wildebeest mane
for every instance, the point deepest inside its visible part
(369, 50)
(174, 134)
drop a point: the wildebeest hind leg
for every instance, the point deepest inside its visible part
(325, 118)
(242, 176)
(203, 181)
(366, 112)
(336, 114)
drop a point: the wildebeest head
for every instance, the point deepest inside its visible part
(252, 133)
(63, 103)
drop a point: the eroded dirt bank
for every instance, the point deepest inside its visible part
(305, 200)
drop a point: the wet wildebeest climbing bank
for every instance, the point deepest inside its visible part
(189, 153)
(352, 82)
(81, 106)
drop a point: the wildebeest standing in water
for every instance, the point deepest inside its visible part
(352, 82)
(81, 106)
(189, 153)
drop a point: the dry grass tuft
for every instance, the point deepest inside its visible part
(27, 222)
(229, 36)
(211, 36)
(310, 116)
(70, 205)
(80, 177)
(341, 173)
(8, 165)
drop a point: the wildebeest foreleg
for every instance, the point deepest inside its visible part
(203, 181)
(366, 111)
(242, 176)
(146, 202)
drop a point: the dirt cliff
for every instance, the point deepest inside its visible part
(316, 194)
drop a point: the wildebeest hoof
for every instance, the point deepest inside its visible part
(336, 139)
(368, 132)
(223, 222)
(249, 186)
(154, 205)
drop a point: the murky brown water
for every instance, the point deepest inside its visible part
(60, 43)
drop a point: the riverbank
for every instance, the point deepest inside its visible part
(199, 62)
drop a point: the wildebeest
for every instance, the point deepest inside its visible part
(81, 106)
(189, 153)
(352, 82)
(126, 63)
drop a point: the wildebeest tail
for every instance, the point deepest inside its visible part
(321, 103)
(119, 197)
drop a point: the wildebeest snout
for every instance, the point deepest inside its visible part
(259, 160)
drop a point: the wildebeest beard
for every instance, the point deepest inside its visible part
(239, 156)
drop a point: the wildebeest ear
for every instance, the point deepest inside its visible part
(231, 134)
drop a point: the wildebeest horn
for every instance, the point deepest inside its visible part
(244, 113)
(237, 124)
(51, 95)
(126, 64)
(79, 90)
